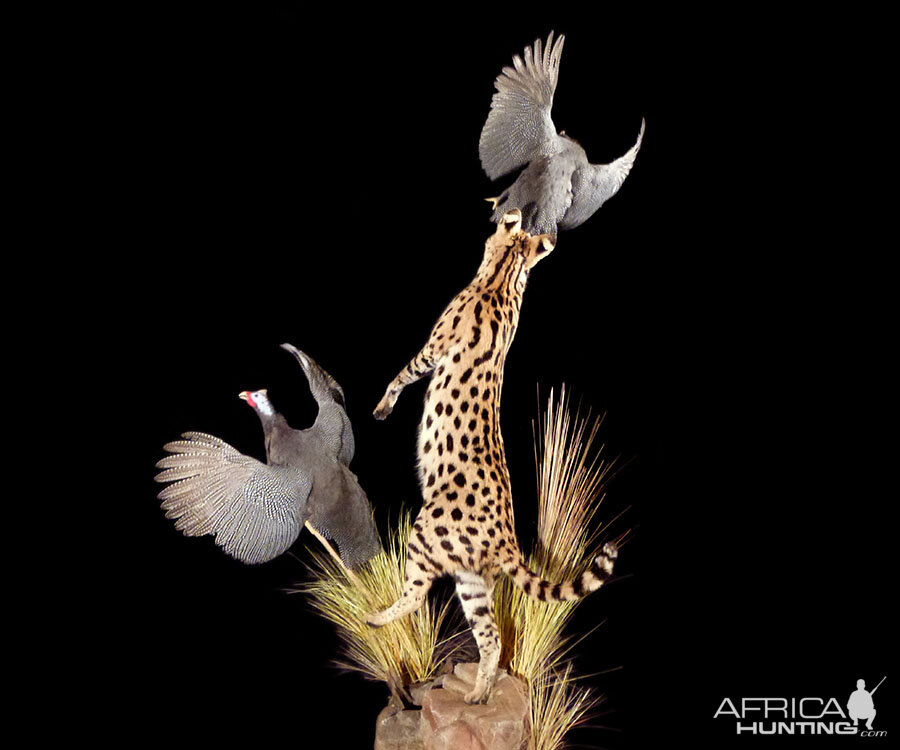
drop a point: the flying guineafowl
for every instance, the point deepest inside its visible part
(255, 510)
(558, 189)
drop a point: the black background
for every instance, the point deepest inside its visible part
(316, 180)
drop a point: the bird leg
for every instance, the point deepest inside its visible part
(350, 574)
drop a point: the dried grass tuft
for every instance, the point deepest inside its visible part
(403, 652)
(571, 476)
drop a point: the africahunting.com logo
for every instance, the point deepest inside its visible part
(804, 716)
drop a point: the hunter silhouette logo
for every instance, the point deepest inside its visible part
(807, 716)
(860, 705)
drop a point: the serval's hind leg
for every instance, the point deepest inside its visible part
(415, 586)
(477, 597)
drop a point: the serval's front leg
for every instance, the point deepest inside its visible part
(420, 365)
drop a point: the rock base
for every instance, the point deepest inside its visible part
(447, 722)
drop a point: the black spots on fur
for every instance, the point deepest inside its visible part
(464, 378)
(473, 391)
(457, 357)
(440, 449)
(495, 327)
(469, 597)
(598, 571)
(464, 407)
(480, 611)
(454, 394)
(447, 545)
(485, 415)
(464, 441)
(486, 394)
(483, 358)
(456, 319)
(456, 514)
(417, 582)
(476, 337)
(439, 408)
(471, 531)
(449, 442)
(426, 447)
(478, 313)
(437, 512)
(555, 593)
(464, 540)
(480, 473)
(463, 457)
(431, 480)
(457, 422)
(449, 409)
(452, 495)
(440, 531)
(489, 376)
(491, 533)
(488, 460)
(485, 491)
(470, 500)
(440, 469)
(460, 480)
(423, 541)
(473, 423)
(578, 586)
(429, 421)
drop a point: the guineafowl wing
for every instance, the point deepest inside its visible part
(519, 126)
(255, 511)
(594, 184)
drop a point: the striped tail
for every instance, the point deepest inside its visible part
(591, 580)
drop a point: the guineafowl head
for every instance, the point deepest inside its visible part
(259, 400)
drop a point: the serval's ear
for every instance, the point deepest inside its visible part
(539, 247)
(511, 222)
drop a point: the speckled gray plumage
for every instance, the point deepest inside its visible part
(256, 511)
(559, 188)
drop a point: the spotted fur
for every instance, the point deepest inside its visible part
(465, 527)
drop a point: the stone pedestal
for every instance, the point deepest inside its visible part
(447, 722)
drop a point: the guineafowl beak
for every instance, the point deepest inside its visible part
(244, 396)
